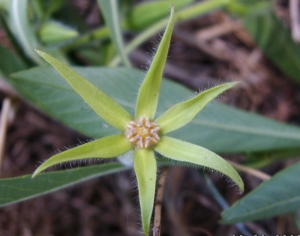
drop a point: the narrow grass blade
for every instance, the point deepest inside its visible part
(111, 14)
(108, 109)
(182, 113)
(149, 92)
(182, 151)
(107, 147)
(145, 169)
(13, 190)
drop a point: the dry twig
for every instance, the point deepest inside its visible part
(4, 119)
(250, 171)
(295, 19)
(158, 203)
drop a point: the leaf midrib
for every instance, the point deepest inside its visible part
(245, 130)
(240, 129)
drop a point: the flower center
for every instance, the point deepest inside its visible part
(142, 133)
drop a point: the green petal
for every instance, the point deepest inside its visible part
(149, 92)
(145, 169)
(108, 109)
(182, 113)
(110, 146)
(182, 151)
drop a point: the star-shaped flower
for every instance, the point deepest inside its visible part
(143, 133)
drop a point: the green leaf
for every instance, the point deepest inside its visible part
(225, 129)
(22, 188)
(217, 127)
(199, 8)
(4, 5)
(145, 14)
(53, 32)
(189, 12)
(149, 92)
(22, 30)
(11, 64)
(146, 170)
(264, 27)
(107, 147)
(243, 8)
(110, 11)
(182, 113)
(103, 105)
(274, 197)
(182, 151)
(51, 6)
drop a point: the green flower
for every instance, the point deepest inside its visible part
(143, 133)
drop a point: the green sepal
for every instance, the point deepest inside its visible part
(182, 113)
(107, 108)
(107, 147)
(149, 92)
(186, 152)
(145, 168)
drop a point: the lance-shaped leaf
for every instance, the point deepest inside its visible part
(108, 109)
(145, 169)
(182, 113)
(110, 146)
(22, 188)
(182, 151)
(274, 197)
(149, 92)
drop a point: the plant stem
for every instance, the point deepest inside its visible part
(185, 14)
(200, 8)
(110, 11)
(250, 171)
(6, 108)
(158, 203)
(97, 34)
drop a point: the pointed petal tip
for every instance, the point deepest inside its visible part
(236, 83)
(172, 12)
(41, 54)
(147, 99)
(38, 51)
(172, 8)
(240, 185)
(182, 151)
(231, 84)
(35, 173)
(38, 170)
